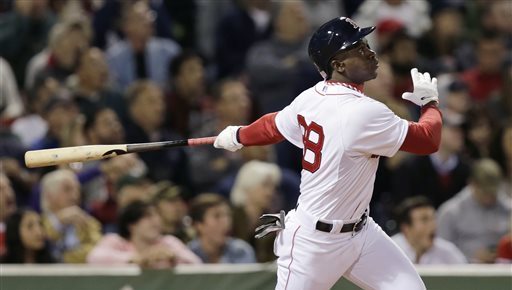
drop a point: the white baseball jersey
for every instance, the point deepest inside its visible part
(342, 133)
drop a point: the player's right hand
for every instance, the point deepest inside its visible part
(227, 139)
(425, 89)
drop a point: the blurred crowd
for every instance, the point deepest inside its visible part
(79, 72)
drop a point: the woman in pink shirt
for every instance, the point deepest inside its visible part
(140, 242)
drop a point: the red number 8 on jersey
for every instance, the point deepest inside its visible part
(310, 145)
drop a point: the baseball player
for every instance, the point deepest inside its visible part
(342, 133)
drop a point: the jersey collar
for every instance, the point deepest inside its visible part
(352, 86)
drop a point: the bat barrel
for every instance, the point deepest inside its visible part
(55, 156)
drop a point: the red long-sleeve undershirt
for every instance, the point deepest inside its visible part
(423, 137)
(261, 132)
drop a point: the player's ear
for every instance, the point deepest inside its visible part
(338, 66)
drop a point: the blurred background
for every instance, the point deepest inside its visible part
(78, 72)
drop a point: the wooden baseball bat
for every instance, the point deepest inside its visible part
(50, 157)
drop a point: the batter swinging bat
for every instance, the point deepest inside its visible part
(50, 157)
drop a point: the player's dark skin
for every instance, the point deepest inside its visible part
(356, 65)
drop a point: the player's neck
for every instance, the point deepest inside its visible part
(351, 85)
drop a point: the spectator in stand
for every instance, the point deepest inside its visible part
(276, 67)
(386, 29)
(11, 164)
(500, 104)
(212, 220)
(32, 126)
(90, 85)
(248, 22)
(288, 189)
(480, 131)
(252, 195)
(184, 21)
(402, 54)
(7, 207)
(170, 205)
(207, 165)
(102, 126)
(22, 180)
(101, 195)
(25, 240)
(131, 188)
(497, 16)
(208, 15)
(440, 175)
(64, 124)
(187, 97)
(141, 242)
(442, 44)
(476, 218)
(72, 231)
(67, 40)
(11, 104)
(486, 77)
(416, 218)
(456, 103)
(141, 55)
(24, 33)
(147, 112)
(107, 18)
(414, 14)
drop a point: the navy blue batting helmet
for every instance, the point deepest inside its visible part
(336, 35)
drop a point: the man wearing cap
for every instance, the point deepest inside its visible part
(477, 217)
(343, 133)
(169, 203)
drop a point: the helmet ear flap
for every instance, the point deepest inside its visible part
(325, 75)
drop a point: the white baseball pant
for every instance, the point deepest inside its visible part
(309, 259)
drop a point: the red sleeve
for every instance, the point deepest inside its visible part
(261, 132)
(504, 250)
(424, 136)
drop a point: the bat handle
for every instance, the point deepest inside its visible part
(201, 141)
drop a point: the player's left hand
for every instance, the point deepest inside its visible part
(227, 139)
(425, 89)
(271, 223)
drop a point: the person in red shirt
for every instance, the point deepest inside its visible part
(486, 77)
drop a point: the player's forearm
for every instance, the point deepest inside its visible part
(424, 136)
(261, 132)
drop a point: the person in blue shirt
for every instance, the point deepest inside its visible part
(212, 220)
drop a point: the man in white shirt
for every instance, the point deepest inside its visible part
(417, 221)
(477, 217)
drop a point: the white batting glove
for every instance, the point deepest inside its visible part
(227, 139)
(425, 89)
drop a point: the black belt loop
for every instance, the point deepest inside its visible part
(353, 227)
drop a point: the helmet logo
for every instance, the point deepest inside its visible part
(351, 22)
